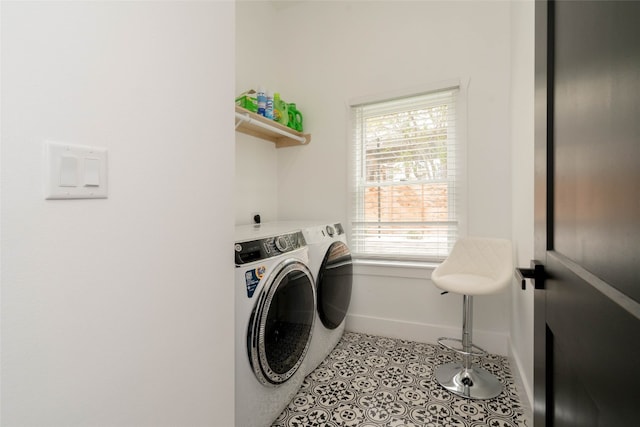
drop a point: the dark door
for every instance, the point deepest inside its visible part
(587, 317)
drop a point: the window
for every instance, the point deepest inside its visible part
(406, 178)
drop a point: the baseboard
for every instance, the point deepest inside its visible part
(492, 342)
(522, 383)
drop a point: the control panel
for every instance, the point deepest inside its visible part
(333, 229)
(256, 250)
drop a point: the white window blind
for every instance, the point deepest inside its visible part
(405, 178)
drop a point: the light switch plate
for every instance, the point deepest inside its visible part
(91, 171)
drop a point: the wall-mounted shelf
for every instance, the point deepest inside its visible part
(261, 127)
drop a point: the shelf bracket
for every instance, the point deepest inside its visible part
(242, 118)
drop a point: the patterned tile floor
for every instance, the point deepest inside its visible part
(372, 381)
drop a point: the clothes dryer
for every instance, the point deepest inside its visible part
(275, 315)
(331, 264)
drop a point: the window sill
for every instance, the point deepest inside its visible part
(404, 269)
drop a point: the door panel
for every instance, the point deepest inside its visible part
(571, 392)
(595, 345)
(587, 319)
(597, 139)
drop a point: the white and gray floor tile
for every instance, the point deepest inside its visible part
(375, 381)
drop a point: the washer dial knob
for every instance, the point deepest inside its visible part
(282, 243)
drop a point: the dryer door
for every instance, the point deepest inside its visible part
(334, 285)
(281, 323)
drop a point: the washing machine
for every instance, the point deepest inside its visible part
(331, 264)
(275, 317)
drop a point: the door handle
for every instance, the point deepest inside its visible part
(536, 273)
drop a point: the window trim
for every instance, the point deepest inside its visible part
(462, 85)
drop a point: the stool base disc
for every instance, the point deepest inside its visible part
(472, 383)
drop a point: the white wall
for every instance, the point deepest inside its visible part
(522, 140)
(117, 312)
(322, 54)
(256, 181)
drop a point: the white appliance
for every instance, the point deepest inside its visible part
(275, 314)
(332, 267)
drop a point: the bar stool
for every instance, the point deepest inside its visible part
(476, 266)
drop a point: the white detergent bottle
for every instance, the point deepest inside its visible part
(268, 111)
(262, 101)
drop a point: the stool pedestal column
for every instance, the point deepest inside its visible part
(464, 379)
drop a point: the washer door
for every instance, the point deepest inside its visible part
(334, 283)
(281, 323)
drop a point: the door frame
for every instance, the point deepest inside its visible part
(543, 132)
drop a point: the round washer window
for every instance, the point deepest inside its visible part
(334, 285)
(281, 324)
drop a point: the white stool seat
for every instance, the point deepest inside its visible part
(465, 284)
(476, 266)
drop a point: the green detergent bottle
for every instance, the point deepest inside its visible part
(280, 110)
(295, 118)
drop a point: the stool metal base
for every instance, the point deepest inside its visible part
(472, 383)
